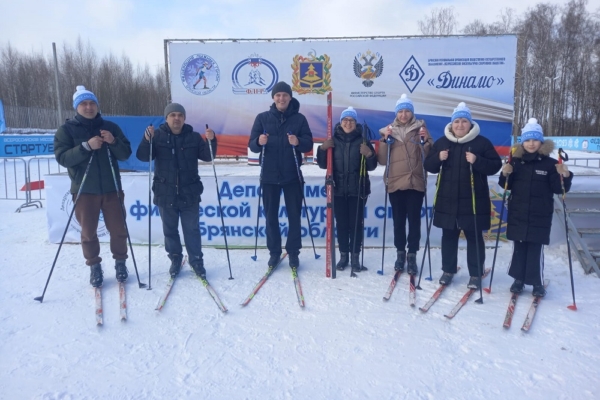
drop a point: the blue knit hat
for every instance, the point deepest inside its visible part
(532, 130)
(462, 111)
(81, 94)
(350, 113)
(404, 103)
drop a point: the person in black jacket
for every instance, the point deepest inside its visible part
(284, 134)
(533, 179)
(177, 186)
(349, 148)
(452, 157)
(87, 136)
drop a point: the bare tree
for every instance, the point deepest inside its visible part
(441, 21)
(506, 24)
(121, 87)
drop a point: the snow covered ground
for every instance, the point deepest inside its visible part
(346, 344)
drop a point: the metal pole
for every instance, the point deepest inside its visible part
(58, 106)
(168, 81)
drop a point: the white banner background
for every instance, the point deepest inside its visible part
(241, 210)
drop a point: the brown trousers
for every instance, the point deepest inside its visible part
(87, 212)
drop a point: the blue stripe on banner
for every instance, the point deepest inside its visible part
(2, 121)
(499, 133)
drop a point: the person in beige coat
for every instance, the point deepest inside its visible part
(406, 179)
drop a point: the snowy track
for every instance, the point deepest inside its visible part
(346, 343)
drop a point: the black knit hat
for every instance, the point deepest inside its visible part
(281, 87)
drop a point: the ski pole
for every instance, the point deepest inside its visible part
(480, 299)
(427, 249)
(85, 174)
(508, 161)
(212, 159)
(562, 156)
(427, 242)
(112, 169)
(389, 140)
(151, 137)
(262, 159)
(304, 199)
(361, 178)
(330, 256)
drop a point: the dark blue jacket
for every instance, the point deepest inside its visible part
(176, 179)
(278, 165)
(532, 185)
(346, 162)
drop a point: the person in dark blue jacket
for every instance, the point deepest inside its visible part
(461, 149)
(533, 179)
(349, 148)
(284, 134)
(177, 186)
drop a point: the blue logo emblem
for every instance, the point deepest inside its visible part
(200, 74)
(411, 74)
(257, 76)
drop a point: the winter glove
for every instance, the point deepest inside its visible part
(365, 150)
(327, 144)
(563, 169)
(507, 169)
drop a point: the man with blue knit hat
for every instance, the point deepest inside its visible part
(350, 189)
(533, 178)
(284, 135)
(89, 138)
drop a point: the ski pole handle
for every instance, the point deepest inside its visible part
(422, 135)
(562, 156)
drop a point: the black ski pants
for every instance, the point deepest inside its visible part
(450, 251)
(527, 262)
(406, 205)
(190, 225)
(292, 194)
(349, 223)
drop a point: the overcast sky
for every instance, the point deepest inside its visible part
(137, 28)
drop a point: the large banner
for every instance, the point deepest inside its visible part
(226, 83)
(239, 200)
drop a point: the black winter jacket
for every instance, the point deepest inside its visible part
(278, 165)
(346, 162)
(176, 179)
(454, 200)
(532, 185)
(72, 155)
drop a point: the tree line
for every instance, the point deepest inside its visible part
(28, 80)
(558, 62)
(557, 72)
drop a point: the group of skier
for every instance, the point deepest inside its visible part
(462, 158)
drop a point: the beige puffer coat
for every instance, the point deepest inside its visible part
(406, 155)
